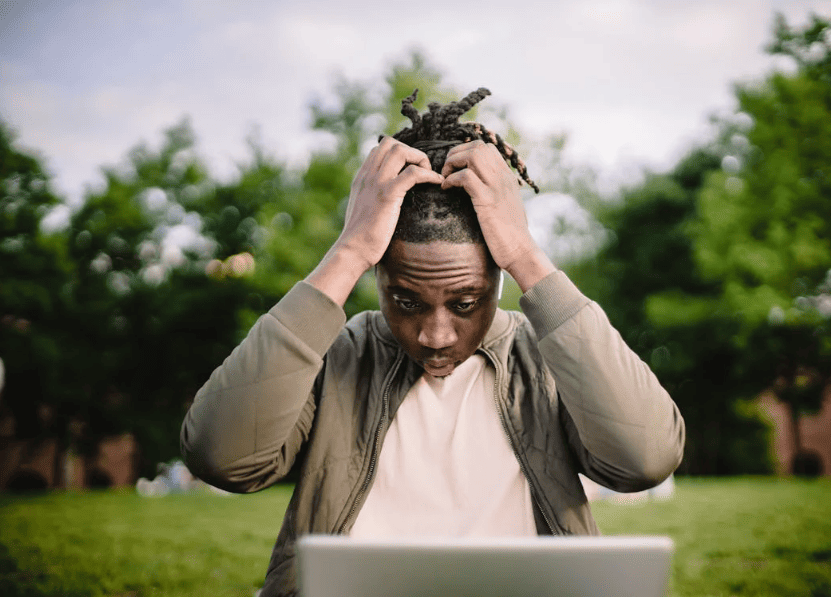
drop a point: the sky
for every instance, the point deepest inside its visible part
(632, 83)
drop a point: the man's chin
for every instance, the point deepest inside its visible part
(442, 369)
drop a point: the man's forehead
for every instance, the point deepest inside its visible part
(436, 257)
(438, 266)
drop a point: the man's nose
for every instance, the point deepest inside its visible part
(437, 330)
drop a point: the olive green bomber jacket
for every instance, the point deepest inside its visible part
(571, 395)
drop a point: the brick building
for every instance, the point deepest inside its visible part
(814, 435)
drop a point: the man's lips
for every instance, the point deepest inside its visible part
(438, 367)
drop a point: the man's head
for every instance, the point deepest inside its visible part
(438, 285)
(439, 299)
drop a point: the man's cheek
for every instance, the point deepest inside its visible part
(405, 336)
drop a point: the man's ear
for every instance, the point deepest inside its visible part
(379, 272)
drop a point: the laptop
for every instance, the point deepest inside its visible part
(336, 566)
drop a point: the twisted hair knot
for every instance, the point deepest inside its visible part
(439, 129)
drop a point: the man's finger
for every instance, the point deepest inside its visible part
(468, 180)
(413, 175)
(377, 153)
(453, 164)
(465, 147)
(397, 155)
(465, 156)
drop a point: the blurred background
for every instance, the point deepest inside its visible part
(168, 170)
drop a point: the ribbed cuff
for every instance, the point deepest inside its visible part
(552, 301)
(311, 315)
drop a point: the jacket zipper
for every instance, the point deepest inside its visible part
(522, 468)
(385, 404)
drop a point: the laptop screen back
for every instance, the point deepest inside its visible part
(330, 566)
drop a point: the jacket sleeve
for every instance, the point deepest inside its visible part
(622, 425)
(249, 420)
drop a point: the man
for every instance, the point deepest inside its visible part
(441, 414)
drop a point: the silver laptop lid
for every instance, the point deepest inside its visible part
(337, 566)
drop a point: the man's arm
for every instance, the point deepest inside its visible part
(378, 189)
(250, 418)
(624, 427)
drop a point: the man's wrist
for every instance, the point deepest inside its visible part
(337, 273)
(531, 268)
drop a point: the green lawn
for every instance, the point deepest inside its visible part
(747, 536)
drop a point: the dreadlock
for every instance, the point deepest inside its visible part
(428, 212)
(439, 129)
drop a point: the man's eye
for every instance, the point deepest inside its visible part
(406, 304)
(466, 306)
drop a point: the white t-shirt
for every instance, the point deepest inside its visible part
(446, 467)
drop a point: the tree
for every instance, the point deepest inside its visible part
(145, 321)
(114, 322)
(752, 238)
(764, 224)
(764, 221)
(638, 276)
(34, 274)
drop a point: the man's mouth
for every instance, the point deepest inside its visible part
(439, 367)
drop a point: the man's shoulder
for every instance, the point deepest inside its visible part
(364, 336)
(508, 325)
(368, 325)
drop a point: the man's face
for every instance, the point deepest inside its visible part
(439, 300)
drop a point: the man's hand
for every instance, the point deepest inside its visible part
(479, 168)
(390, 170)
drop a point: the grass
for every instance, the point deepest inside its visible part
(745, 536)
(120, 544)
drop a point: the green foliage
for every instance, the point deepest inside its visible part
(347, 120)
(34, 271)
(646, 280)
(147, 325)
(808, 47)
(718, 273)
(111, 324)
(763, 229)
